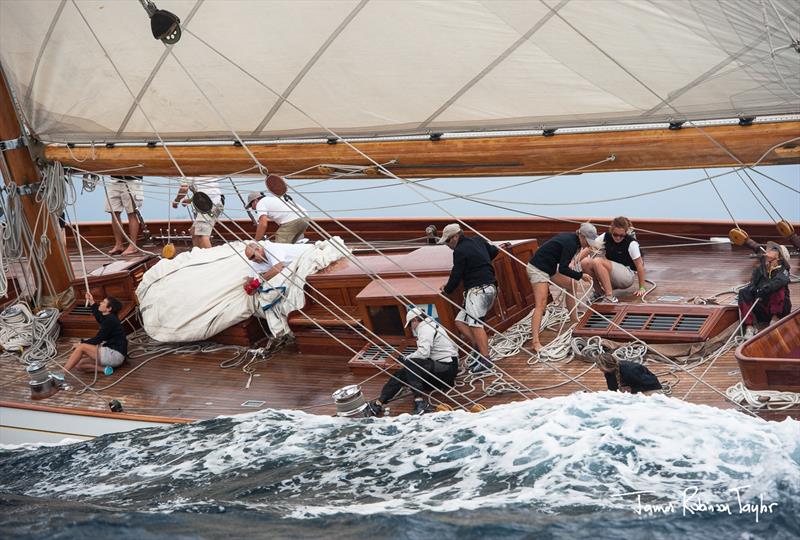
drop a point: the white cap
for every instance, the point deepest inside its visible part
(588, 231)
(783, 253)
(448, 232)
(413, 313)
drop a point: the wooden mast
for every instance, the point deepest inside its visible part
(650, 149)
(23, 172)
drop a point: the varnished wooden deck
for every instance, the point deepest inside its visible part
(195, 387)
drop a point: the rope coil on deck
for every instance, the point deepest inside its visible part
(772, 400)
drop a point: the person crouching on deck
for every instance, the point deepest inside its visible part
(472, 265)
(292, 220)
(433, 365)
(109, 346)
(769, 285)
(619, 264)
(551, 262)
(626, 376)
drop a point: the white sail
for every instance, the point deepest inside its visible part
(379, 67)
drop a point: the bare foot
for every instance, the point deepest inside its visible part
(537, 347)
(116, 250)
(130, 251)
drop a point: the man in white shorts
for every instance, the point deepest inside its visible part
(472, 266)
(109, 346)
(203, 223)
(618, 265)
(124, 193)
(292, 220)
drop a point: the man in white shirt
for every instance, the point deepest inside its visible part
(434, 364)
(203, 223)
(292, 220)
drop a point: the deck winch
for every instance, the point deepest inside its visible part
(41, 382)
(350, 402)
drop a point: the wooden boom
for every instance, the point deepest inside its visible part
(486, 156)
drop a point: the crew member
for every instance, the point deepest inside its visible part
(433, 365)
(264, 266)
(551, 262)
(203, 222)
(626, 376)
(769, 285)
(472, 266)
(124, 193)
(292, 220)
(109, 346)
(618, 264)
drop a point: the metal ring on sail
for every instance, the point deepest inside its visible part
(202, 203)
(276, 185)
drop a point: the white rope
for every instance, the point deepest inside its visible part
(772, 400)
(21, 329)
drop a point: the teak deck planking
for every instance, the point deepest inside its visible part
(193, 386)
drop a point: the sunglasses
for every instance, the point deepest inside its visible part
(252, 256)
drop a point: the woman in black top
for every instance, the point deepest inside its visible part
(627, 376)
(109, 346)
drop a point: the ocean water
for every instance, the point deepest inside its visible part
(601, 465)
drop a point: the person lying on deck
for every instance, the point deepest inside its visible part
(551, 262)
(769, 286)
(109, 346)
(433, 365)
(618, 263)
(625, 376)
(262, 265)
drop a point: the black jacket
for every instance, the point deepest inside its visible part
(636, 376)
(556, 254)
(111, 333)
(472, 263)
(764, 282)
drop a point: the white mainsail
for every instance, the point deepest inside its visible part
(384, 67)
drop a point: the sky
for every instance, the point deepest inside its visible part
(565, 196)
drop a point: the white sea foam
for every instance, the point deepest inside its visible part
(583, 450)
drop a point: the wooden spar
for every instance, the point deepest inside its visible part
(23, 172)
(481, 156)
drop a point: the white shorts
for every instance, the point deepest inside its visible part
(204, 223)
(477, 303)
(122, 194)
(110, 357)
(622, 277)
(537, 276)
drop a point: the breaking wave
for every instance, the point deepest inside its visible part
(586, 460)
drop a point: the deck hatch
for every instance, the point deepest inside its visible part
(691, 323)
(634, 321)
(662, 322)
(597, 321)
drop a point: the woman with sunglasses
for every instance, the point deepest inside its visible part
(618, 263)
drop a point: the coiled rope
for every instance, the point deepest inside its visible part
(21, 329)
(772, 400)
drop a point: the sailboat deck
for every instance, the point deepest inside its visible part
(193, 386)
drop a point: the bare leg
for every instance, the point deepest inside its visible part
(116, 226)
(540, 291)
(589, 266)
(481, 340)
(466, 331)
(603, 274)
(81, 350)
(567, 284)
(133, 234)
(203, 242)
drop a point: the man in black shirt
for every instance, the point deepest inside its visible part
(626, 376)
(551, 262)
(472, 265)
(109, 346)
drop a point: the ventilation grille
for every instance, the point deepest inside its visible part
(662, 322)
(691, 323)
(375, 353)
(81, 310)
(635, 321)
(597, 322)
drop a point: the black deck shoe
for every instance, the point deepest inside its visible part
(422, 407)
(481, 366)
(375, 408)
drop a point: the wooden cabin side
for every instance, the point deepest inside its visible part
(770, 360)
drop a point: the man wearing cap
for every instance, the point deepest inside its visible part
(472, 265)
(203, 223)
(292, 220)
(551, 262)
(433, 364)
(768, 290)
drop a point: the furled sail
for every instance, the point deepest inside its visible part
(78, 67)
